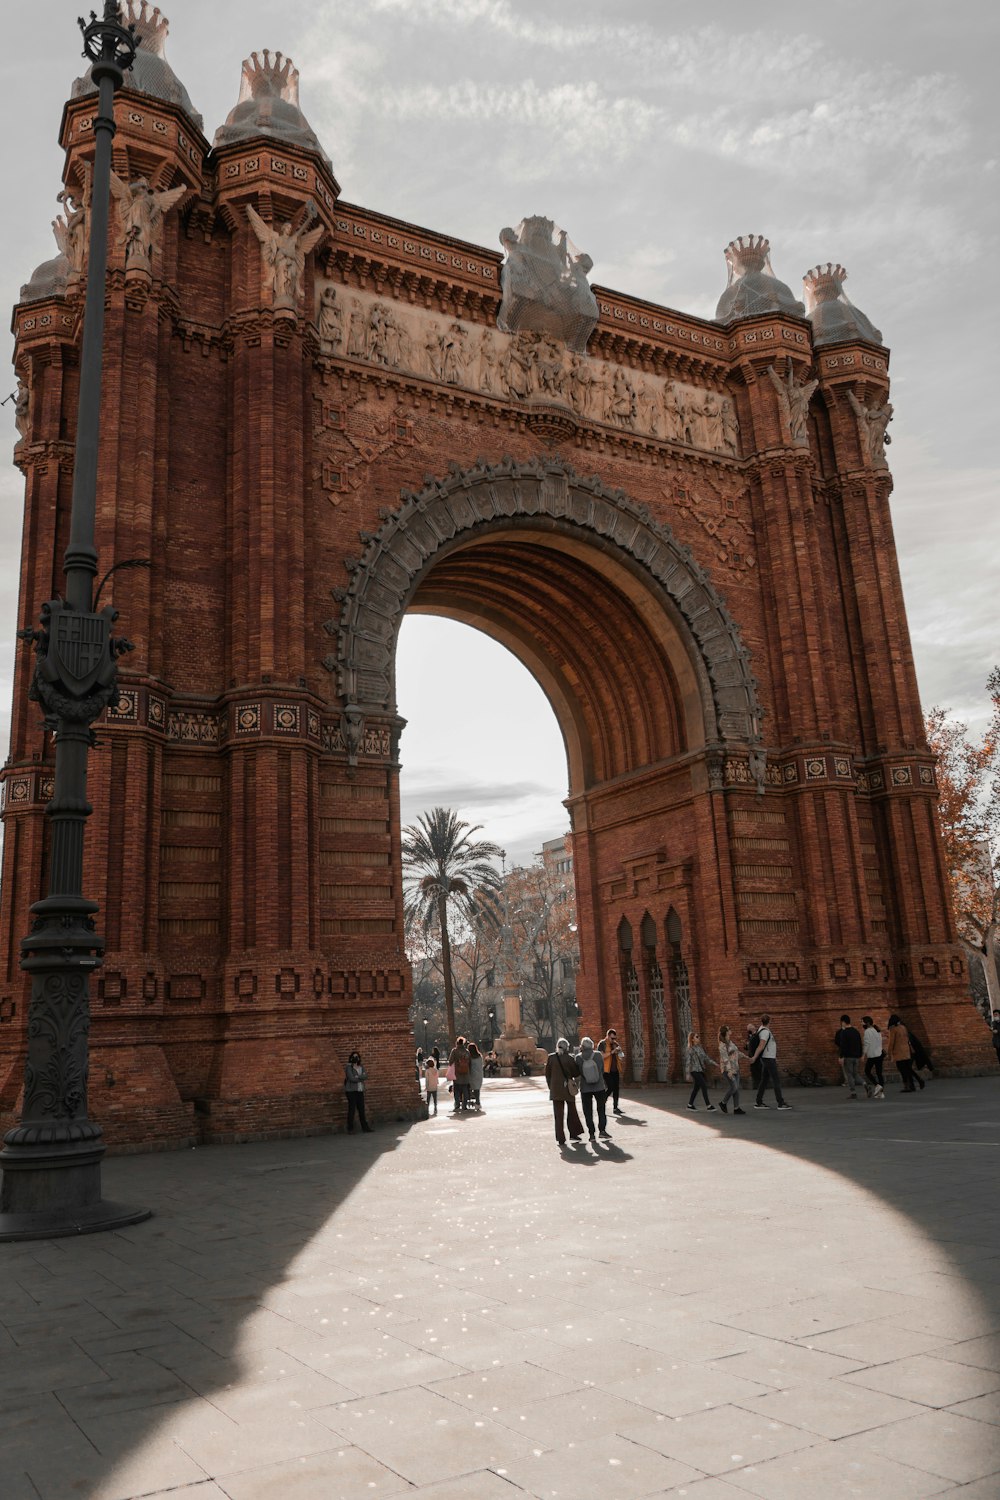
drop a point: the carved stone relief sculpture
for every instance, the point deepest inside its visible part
(793, 403)
(72, 232)
(528, 366)
(140, 218)
(544, 284)
(22, 409)
(283, 252)
(872, 423)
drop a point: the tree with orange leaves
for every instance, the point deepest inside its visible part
(968, 777)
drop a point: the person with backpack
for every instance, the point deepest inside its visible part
(562, 1074)
(592, 1089)
(849, 1046)
(460, 1060)
(767, 1053)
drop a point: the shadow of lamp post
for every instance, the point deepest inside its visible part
(51, 1160)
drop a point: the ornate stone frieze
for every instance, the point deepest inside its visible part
(530, 368)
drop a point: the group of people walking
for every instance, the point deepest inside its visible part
(592, 1075)
(900, 1046)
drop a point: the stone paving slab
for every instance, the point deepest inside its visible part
(783, 1306)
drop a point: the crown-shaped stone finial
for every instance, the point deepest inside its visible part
(752, 287)
(751, 255)
(269, 105)
(151, 26)
(273, 77)
(150, 72)
(834, 317)
(823, 284)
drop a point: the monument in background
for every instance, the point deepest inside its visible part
(318, 417)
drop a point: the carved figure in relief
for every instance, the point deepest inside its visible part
(673, 413)
(140, 218)
(397, 344)
(549, 370)
(712, 422)
(73, 233)
(22, 408)
(517, 367)
(649, 408)
(585, 380)
(454, 355)
(621, 405)
(284, 251)
(488, 364)
(872, 424)
(793, 402)
(357, 333)
(330, 323)
(378, 329)
(730, 429)
(432, 351)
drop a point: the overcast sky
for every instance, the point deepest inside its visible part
(861, 132)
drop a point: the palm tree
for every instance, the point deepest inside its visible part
(443, 865)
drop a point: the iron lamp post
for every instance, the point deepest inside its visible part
(51, 1160)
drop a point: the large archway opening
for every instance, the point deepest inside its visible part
(644, 671)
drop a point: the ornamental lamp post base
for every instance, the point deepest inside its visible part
(52, 1185)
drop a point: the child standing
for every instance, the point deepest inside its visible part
(431, 1079)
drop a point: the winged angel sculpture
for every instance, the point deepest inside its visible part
(284, 251)
(141, 213)
(72, 232)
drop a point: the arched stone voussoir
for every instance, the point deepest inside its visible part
(549, 495)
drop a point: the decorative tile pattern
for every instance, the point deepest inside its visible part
(248, 719)
(287, 718)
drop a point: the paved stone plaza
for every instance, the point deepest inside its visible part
(784, 1305)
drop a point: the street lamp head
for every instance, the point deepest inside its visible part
(106, 42)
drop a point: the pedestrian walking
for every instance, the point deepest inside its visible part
(355, 1078)
(899, 1053)
(871, 1045)
(697, 1062)
(458, 1059)
(562, 1074)
(729, 1067)
(995, 1034)
(849, 1045)
(475, 1077)
(431, 1080)
(755, 1067)
(614, 1057)
(767, 1054)
(920, 1056)
(592, 1091)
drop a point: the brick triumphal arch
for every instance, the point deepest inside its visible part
(318, 418)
